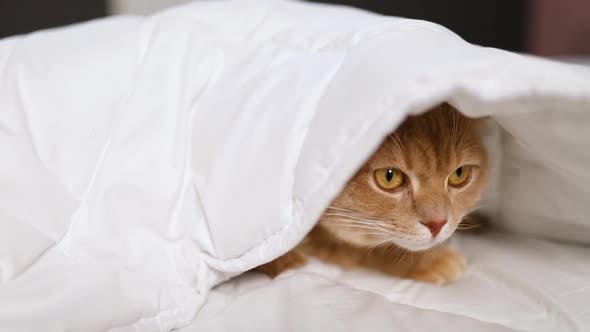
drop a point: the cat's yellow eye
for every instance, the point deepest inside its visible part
(460, 176)
(389, 178)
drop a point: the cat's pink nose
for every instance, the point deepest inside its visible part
(435, 226)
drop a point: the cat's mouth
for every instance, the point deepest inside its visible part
(417, 245)
(423, 241)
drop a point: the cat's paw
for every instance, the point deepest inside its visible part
(290, 260)
(439, 267)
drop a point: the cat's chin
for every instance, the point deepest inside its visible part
(418, 245)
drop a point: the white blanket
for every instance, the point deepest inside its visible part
(512, 283)
(146, 160)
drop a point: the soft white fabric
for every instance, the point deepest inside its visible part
(512, 283)
(146, 160)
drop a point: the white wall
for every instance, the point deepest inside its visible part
(141, 7)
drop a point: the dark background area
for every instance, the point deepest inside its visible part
(542, 27)
(497, 23)
(23, 16)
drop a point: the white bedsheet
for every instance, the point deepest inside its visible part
(511, 283)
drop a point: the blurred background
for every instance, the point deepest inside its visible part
(542, 27)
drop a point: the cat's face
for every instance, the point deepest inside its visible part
(416, 188)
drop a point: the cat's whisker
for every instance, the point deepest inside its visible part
(339, 209)
(467, 226)
(393, 248)
(369, 222)
(470, 221)
(401, 258)
(344, 211)
(462, 228)
(391, 244)
(361, 227)
(393, 228)
(372, 247)
(344, 224)
(350, 214)
(346, 218)
(366, 217)
(351, 222)
(328, 214)
(388, 239)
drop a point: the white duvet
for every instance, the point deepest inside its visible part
(512, 283)
(147, 160)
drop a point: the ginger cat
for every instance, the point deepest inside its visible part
(396, 212)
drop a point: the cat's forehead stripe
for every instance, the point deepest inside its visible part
(433, 142)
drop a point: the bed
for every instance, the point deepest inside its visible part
(512, 283)
(117, 211)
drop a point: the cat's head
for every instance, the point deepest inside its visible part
(416, 188)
